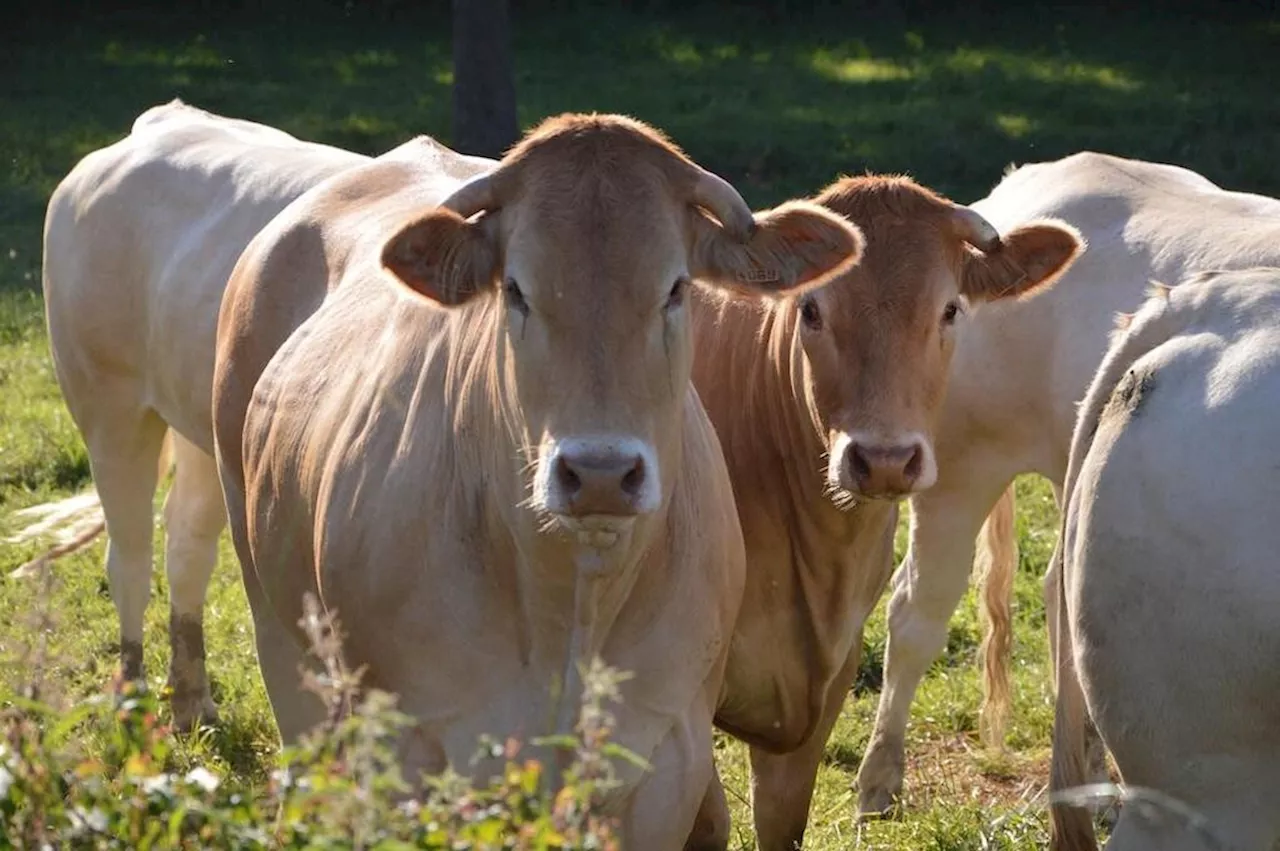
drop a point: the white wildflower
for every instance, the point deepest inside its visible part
(95, 819)
(282, 777)
(157, 783)
(203, 777)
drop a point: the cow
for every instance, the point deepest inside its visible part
(1017, 375)
(459, 412)
(825, 427)
(139, 240)
(1167, 571)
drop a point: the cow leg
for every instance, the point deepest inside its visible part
(194, 518)
(123, 457)
(927, 590)
(711, 827)
(671, 796)
(1050, 593)
(1095, 750)
(282, 661)
(782, 784)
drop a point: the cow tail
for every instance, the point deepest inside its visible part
(91, 533)
(997, 562)
(1071, 827)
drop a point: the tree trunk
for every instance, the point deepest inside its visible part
(484, 89)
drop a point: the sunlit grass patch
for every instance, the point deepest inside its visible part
(1017, 65)
(856, 69)
(1014, 126)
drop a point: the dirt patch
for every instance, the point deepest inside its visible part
(949, 769)
(954, 768)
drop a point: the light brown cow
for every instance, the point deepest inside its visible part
(478, 440)
(823, 428)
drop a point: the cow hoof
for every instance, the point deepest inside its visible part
(880, 781)
(879, 800)
(874, 804)
(192, 713)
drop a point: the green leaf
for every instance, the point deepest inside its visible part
(619, 752)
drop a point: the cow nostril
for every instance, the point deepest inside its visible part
(859, 465)
(568, 480)
(914, 464)
(634, 479)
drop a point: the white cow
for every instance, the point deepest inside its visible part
(1170, 570)
(1018, 371)
(139, 241)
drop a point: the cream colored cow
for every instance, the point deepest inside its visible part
(461, 414)
(1169, 571)
(139, 240)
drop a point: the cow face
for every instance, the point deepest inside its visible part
(878, 339)
(591, 231)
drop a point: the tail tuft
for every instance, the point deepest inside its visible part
(997, 562)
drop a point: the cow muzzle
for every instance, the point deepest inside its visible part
(873, 467)
(598, 478)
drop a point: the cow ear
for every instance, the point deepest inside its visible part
(1026, 259)
(443, 257)
(797, 245)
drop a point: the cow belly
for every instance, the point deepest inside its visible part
(179, 373)
(767, 703)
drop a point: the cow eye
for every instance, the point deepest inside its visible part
(810, 315)
(515, 298)
(675, 298)
(950, 312)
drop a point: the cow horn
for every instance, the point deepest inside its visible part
(974, 229)
(717, 195)
(471, 197)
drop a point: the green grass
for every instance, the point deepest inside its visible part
(778, 105)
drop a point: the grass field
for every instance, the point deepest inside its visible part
(778, 105)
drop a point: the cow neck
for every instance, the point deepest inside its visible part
(570, 596)
(829, 543)
(756, 395)
(802, 550)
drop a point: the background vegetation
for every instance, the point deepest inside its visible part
(779, 97)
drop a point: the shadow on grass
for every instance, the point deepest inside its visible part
(779, 105)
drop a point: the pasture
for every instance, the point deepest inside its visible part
(779, 104)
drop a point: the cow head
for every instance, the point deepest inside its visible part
(582, 245)
(878, 340)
